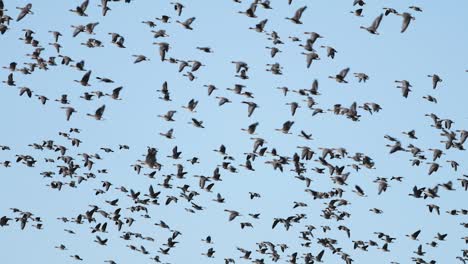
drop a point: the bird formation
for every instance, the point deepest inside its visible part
(127, 217)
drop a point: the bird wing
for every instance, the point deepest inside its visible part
(151, 191)
(182, 65)
(253, 7)
(162, 53)
(406, 22)
(299, 12)
(320, 255)
(121, 40)
(116, 91)
(314, 86)
(435, 79)
(376, 22)
(353, 107)
(309, 59)
(359, 189)
(100, 111)
(77, 31)
(170, 132)
(84, 5)
(86, 76)
(68, 113)
(164, 88)
(381, 187)
(251, 109)
(344, 72)
(189, 21)
(238, 67)
(232, 215)
(22, 14)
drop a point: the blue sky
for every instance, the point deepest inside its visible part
(433, 43)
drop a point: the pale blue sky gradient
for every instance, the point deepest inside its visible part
(434, 43)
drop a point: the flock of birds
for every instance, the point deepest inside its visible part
(318, 243)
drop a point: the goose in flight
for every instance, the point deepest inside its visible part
(407, 17)
(211, 88)
(240, 65)
(85, 79)
(416, 8)
(164, 18)
(159, 34)
(42, 98)
(306, 136)
(163, 49)
(178, 7)
(389, 10)
(197, 123)
(273, 51)
(25, 90)
(196, 65)
(223, 100)
(330, 51)
(314, 36)
(357, 12)
(296, 19)
(104, 7)
(251, 129)
(115, 93)
(374, 26)
(140, 58)
(243, 74)
(169, 134)
(10, 80)
(435, 80)
(405, 87)
(359, 2)
(191, 105)
(69, 111)
(205, 49)
(56, 35)
(81, 9)
(24, 11)
(250, 12)
(251, 108)
(430, 98)
(100, 241)
(362, 77)
(98, 113)
(260, 26)
(340, 77)
(76, 257)
(187, 23)
(414, 236)
(232, 214)
(286, 127)
(310, 57)
(151, 24)
(293, 107)
(209, 253)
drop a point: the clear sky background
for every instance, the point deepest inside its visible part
(434, 43)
